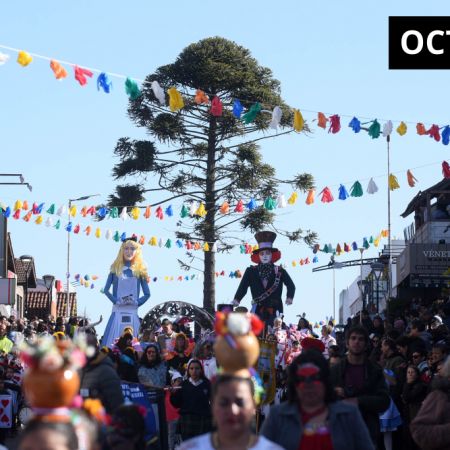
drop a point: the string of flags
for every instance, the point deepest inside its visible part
(194, 209)
(154, 241)
(176, 102)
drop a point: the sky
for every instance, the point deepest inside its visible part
(328, 56)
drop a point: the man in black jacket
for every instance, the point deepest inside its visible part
(358, 381)
(266, 280)
(99, 379)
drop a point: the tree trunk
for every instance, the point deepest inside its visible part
(209, 282)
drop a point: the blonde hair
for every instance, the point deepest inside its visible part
(138, 265)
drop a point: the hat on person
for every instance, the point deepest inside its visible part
(436, 319)
(265, 241)
(309, 343)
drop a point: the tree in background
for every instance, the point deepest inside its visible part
(205, 153)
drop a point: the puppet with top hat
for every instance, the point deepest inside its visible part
(266, 280)
(127, 277)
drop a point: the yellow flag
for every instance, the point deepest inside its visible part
(98, 233)
(206, 247)
(38, 220)
(393, 182)
(135, 213)
(73, 211)
(299, 122)
(201, 211)
(153, 241)
(401, 129)
(175, 99)
(293, 198)
(18, 205)
(24, 58)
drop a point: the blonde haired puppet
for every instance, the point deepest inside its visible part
(128, 275)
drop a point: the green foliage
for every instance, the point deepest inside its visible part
(205, 158)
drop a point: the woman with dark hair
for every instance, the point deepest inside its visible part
(311, 418)
(193, 399)
(153, 370)
(233, 409)
(40, 435)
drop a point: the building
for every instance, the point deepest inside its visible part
(21, 293)
(41, 302)
(423, 267)
(372, 292)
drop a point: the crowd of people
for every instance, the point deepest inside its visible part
(378, 382)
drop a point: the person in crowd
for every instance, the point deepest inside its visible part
(413, 394)
(431, 426)
(100, 380)
(165, 339)
(180, 355)
(292, 352)
(418, 330)
(375, 352)
(366, 322)
(360, 382)
(377, 326)
(438, 330)
(335, 355)
(148, 337)
(419, 359)
(311, 418)
(42, 435)
(193, 400)
(127, 364)
(327, 339)
(127, 430)
(172, 413)
(393, 364)
(439, 352)
(6, 344)
(153, 370)
(233, 409)
(208, 360)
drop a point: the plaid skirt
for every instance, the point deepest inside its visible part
(191, 425)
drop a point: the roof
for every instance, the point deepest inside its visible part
(21, 272)
(421, 197)
(37, 304)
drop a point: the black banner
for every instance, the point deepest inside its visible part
(419, 42)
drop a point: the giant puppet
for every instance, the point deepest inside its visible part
(128, 275)
(266, 280)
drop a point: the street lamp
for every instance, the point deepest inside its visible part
(48, 281)
(361, 250)
(26, 260)
(334, 265)
(71, 200)
(377, 270)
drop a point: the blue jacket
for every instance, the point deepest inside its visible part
(348, 430)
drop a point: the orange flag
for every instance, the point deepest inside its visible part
(322, 120)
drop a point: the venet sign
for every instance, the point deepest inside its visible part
(425, 264)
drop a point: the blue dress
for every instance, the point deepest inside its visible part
(126, 301)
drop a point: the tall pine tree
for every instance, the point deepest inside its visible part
(199, 155)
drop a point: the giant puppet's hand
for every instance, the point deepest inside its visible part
(289, 301)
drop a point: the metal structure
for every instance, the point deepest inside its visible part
(177, 309)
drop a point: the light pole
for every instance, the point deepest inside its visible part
(27, 260)
(14, 183)
(361, 250)
(48, 281)
(377, 270)
(334, 265)
(71, 200)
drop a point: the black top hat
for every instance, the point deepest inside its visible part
(131, 238)
(265, 241)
